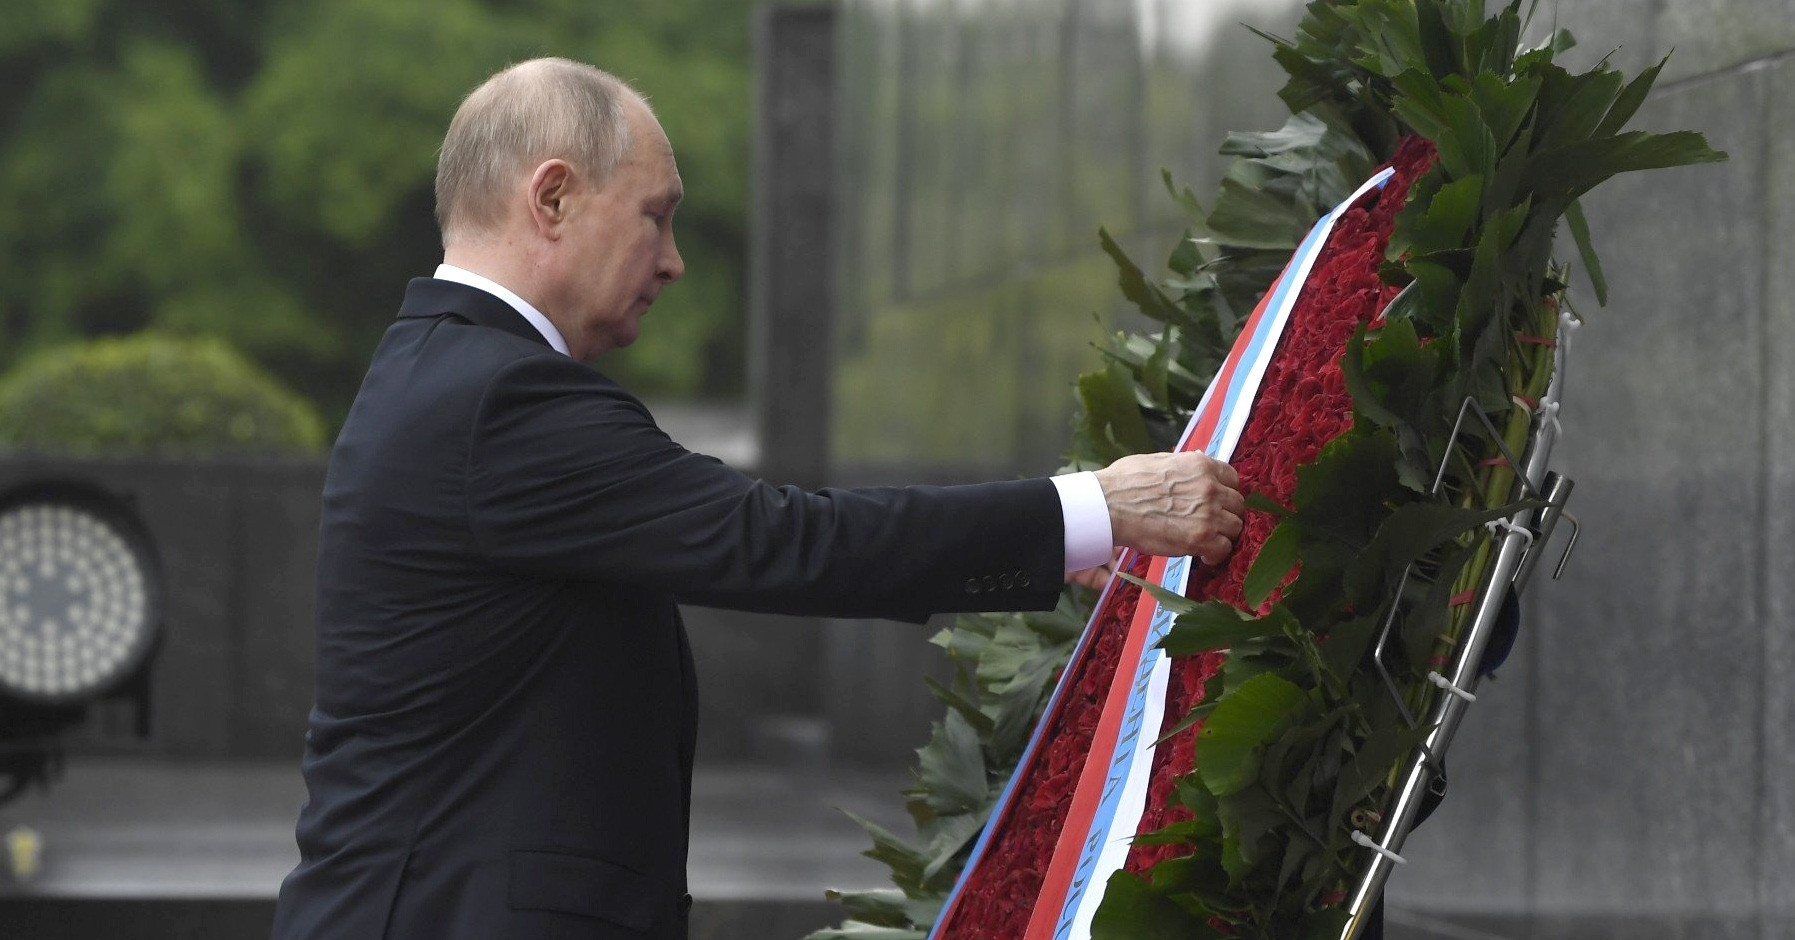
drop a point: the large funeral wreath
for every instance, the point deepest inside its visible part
(1438, 288)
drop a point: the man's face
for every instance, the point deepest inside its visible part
(618, 250)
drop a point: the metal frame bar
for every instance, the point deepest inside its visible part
(1520, 541)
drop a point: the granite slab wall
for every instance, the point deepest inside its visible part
(1775, 544)
(1653, 766)
(232, 678)
(237, 544)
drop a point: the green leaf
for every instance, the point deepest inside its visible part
(1218, 625)
(1298, 849)
(1156, 359)
(1391, 32)
(952, 766)
(1260, 501)
(1447, 218)
(1574, 168)
(1371, 766)
(1592, 265)
(1276, 558)
(1197, 882)
(1388, 376)
(1577, 115)
(1132, 910)
(1249, 820)
(1438, 43)
(1326, 924)
(854, 930)
(952, 838)
(1491, 46)
(1346, 644)
(1410, 532)
(1479, 301)
(1187, 200)
(1170, 600)
(962, 706)
(1197, 713)
(1112, 427)
(904, 858)
(1178, 833)
(887, 907)
(1504, 104)
(1246, 217)
(1143, 294)
(1426, 620)
(1341, 493)
(1230, 744)
(1186, 259)
(1190, 793)
(1630, 101)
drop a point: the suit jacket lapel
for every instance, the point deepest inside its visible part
(430, 297)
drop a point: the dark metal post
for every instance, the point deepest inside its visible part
(791, 258)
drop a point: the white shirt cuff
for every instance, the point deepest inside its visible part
(1086, 514)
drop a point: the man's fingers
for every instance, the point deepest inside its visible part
(1227, 475)
(1094, 578)
(1231, 500)
(1175, 504)
(1215, 550)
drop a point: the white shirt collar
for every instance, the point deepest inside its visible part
(449, 272)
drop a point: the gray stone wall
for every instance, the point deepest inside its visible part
(1638, 756)
(232, 678)
(237, 543)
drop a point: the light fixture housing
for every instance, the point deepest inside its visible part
(80, 593)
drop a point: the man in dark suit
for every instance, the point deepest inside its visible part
(501, 745)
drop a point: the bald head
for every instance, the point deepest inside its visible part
(539, 110)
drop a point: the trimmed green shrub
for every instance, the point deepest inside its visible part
(152, 393)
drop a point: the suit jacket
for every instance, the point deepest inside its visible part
(501, 745)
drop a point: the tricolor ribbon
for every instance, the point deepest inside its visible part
(1110, 797)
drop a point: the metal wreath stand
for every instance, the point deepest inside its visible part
(1521, 539)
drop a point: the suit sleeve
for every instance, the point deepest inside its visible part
(569, 477)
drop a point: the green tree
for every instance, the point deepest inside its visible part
(262, 172)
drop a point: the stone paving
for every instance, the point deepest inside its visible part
(143, 848)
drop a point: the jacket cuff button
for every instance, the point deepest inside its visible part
(972, 585)
(1006, 580)
(1021, 579)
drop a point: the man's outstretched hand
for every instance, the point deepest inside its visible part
(1174, 504)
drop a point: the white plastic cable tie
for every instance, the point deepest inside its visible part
(1359, 836)
(1509, 524)
(1446, 684)
(1568, 323)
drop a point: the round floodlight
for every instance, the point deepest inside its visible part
(79, 595)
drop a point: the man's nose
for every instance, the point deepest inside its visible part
(673, 267)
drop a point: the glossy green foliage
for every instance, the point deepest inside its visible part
(152, 394)
(262, 172)
(1005, 666)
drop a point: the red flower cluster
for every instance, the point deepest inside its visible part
(1302, 404)
(997, 900)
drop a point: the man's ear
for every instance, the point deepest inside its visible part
(550, 187)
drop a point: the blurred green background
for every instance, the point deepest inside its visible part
(258, 172)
